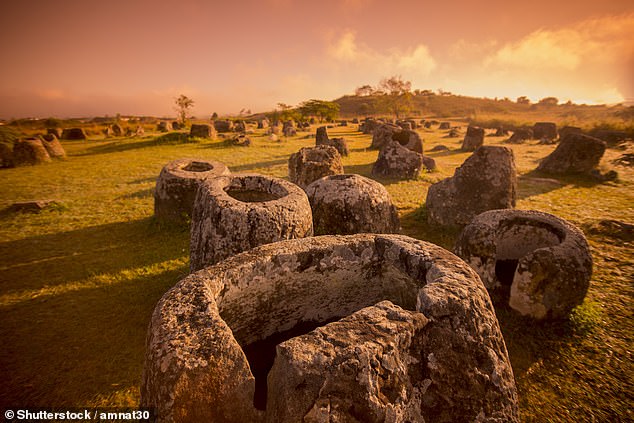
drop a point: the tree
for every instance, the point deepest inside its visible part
(214, 116)
(183, 105)
(323, 110)
(395, 85)
(549, 101)
(523, 100)
(287, 113)
(364, 91)
(397, 98)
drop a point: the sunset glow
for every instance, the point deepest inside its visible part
(81, 58)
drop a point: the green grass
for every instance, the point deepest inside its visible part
(78, 283)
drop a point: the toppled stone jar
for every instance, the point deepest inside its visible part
(350, 204)
(416, 338)
(238, 212)
(539, 263)
(177, 184)
(487, 180)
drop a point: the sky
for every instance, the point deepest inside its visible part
(72, 58)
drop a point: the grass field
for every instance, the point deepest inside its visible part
(78, 282)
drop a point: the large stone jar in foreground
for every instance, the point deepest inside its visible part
(416, 339)
(539, 263)
(238, 212)
(177, 185)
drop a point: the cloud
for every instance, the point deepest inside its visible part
(586, 61)
(595, 41)
(542, 49)
(415, 62)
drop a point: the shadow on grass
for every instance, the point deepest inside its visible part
(577, 180)
(530, 186)
(128, 144)
(68, 349)
(76, 306)
(144, 193)
(251, 166)
(52, 260)
(529, 341)
(445, 153)
(359, 169)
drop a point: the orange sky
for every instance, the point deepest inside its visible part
(83, 57)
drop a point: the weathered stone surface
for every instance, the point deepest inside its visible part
(263, 124)
(485, 181)
(429, 163)
(29, 152)
(33, 206)
(501, 132)
(241, 141)
(289, 129)
(164, 126)
(409, 139)
(275, 130)
(177, 185)
(473, 139)
(444, 125)
(451, 357)
(439, 148)
(577, 153)
(547, 130)
(356, 369)
(563, 132)
(202, 130)
(235, 213)
(520, 135)
(223, 125)
(312, 163)
(74, 134)
(117, 130)
(53, 146)
(350, 204)
(540, 264)
(396, 161)
(405, 125)
(321, 138)
(341, 145)
(382, 135)
(240, 126)
(453, 133)
(609, 136)
(387, 133)
(55, 131)
(369, 125)
(427, 124)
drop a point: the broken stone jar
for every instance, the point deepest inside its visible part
(368, 327)
(538, 263)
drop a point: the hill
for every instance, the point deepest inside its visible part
(494, 112)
